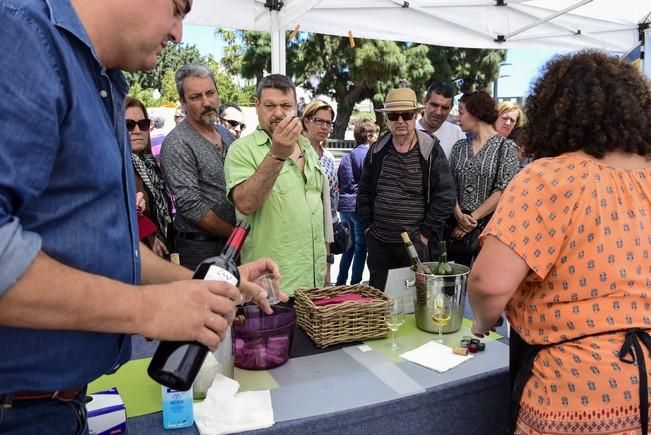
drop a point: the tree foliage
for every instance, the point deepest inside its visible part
(144, 84)
(327, 65)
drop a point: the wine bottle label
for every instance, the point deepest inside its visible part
(216, 273)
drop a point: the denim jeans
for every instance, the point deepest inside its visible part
(356, 254)
(45, 417)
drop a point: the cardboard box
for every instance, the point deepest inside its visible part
(106, 413)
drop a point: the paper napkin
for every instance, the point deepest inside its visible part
(435, 356)
(226, 411)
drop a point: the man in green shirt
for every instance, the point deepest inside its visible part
(274, 178)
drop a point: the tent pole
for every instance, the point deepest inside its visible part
(646, 55)
(278, 45)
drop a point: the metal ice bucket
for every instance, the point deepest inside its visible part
(428, 285)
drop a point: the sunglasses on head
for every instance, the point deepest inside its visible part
(406, 116)
(142, 124)
(234, 123)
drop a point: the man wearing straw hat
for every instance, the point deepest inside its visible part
(406, 185)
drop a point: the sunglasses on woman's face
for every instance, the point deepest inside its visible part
(234, 123)
(142, 124)
(406, 116)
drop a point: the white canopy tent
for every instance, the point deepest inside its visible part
(559, 24)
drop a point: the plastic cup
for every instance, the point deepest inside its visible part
(270, 285)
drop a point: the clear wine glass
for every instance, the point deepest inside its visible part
(441, 312)
(395, 320)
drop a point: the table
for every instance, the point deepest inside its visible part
(351, 391)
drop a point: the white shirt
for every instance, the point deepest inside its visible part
(448, 134)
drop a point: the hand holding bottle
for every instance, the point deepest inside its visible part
(176, 363)
(191, 310)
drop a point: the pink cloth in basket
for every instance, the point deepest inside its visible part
(341, 298)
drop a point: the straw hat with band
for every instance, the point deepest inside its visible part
(401, 100)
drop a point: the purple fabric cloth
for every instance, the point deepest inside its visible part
(156, 142)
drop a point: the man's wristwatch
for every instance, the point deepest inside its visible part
(330, 259)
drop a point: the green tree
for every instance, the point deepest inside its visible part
(229, 90)
(327, 65)
(474, 68)
(161, 78)
(246, 53)
(170, 60)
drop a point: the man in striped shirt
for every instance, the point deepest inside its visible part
(406, 185)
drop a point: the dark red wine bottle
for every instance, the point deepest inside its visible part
(175, 364)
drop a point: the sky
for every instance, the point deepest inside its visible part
(520, 68)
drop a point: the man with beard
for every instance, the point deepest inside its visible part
(438, 103)
(274, 178)
(192, 160)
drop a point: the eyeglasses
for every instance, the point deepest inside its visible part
(234, 123)
(321, 122)
(142, 124)
(406, 116)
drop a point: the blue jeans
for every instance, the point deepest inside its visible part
(356, 254)
(45, 417)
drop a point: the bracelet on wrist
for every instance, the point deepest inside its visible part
(275, 157)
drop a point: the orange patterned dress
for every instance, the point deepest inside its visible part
(584, 229)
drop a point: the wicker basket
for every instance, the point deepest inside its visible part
(343, 322)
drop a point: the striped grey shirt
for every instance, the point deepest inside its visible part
(400, 200)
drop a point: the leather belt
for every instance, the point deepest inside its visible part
(199, 237)
(6, 400)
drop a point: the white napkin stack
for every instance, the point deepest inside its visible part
(435, 356)
(226, 411)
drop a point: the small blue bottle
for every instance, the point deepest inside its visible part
(178, 410)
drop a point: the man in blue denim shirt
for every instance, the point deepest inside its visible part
(70, 260)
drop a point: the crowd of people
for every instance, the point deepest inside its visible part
(566, 237)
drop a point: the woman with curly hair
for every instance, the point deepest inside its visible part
(567, 253)
(481, 167)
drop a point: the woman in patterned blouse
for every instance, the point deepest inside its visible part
(481, 167)
(317, 124)
(567, 252)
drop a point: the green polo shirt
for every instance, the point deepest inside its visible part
(288, 227)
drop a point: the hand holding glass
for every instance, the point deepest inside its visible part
(395, 320)
(270, 284)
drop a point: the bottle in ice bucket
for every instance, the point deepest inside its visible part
(443, 267)
(178, 409)
(175, 364)
(413, 255)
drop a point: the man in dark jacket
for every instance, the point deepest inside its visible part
(407, 186)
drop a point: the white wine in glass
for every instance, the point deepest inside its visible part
(441, 313)
(395, 320)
